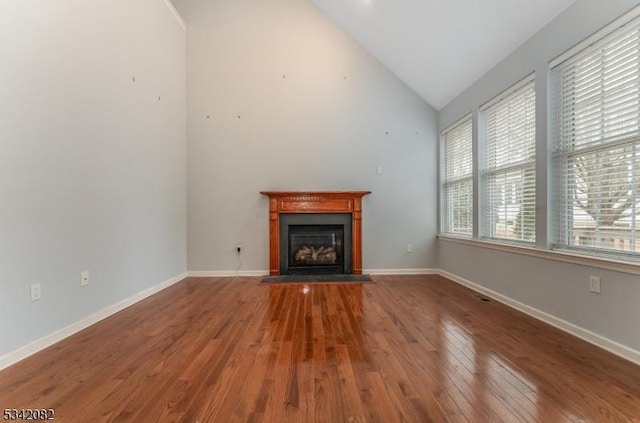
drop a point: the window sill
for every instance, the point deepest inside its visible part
(562, 256)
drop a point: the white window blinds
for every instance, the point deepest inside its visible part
(458, 180)
(509, 177)
(597, 151)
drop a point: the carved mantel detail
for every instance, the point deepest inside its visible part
(315, 202)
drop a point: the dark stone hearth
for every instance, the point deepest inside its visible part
(316, 278)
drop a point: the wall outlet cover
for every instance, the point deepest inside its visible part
(594, 284)
(84, 278)
(36, 291)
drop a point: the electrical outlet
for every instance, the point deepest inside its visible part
(594, 284)
(239, 249)
(409, 248)
(379, 170)
(36, 292)
(84, 278)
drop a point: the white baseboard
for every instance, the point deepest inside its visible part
(225, 273)
(401, 271)
(584, 334)
(42, 343)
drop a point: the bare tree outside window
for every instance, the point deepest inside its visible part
(598, 144)
(606, 198)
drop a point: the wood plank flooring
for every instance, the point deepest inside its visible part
(404, 348)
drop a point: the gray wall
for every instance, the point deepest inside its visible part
(282, 116)
(92, 165)
(557, 288)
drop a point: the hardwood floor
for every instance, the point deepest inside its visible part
(405, 348)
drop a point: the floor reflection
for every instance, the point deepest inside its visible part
(321, 317)
(434, 349)
(494, 386)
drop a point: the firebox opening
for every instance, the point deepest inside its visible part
(316, 249)
(315, 243)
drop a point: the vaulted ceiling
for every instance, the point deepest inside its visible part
(440, 47)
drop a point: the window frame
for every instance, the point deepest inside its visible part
(447, 183)
(571, 153)
(487, 171)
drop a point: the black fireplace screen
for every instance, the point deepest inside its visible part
(316, 248)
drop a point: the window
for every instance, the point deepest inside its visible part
(509, 171)
(597, 151)
(458, 180)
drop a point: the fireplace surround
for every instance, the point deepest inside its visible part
(331, 221)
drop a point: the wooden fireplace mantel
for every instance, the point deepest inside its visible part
(315, 202)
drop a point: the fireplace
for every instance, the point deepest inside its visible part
(315, 232)
(315, 243)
